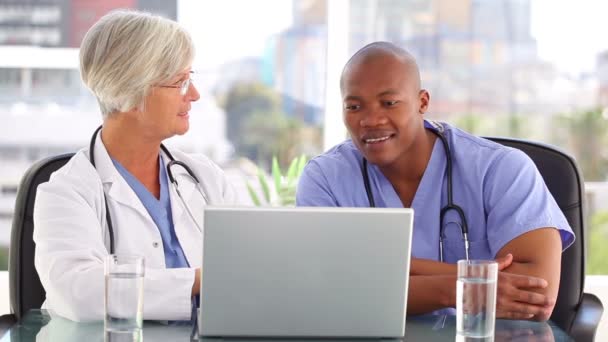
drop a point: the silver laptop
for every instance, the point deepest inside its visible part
(305, 272)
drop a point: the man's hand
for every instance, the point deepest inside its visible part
(504, 261)
(516, 300)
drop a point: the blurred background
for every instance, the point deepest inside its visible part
(268, 71)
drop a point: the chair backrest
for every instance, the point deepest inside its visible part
(26, 291)
(565, 182)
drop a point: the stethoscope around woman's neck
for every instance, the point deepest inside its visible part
(172, 179)
(438, 130)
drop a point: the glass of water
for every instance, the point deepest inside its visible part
(124, 297)
(476, 298)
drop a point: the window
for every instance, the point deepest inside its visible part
(268, 76)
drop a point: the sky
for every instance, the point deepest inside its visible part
(569, 33)
(234, 28)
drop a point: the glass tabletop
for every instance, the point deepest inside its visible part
(38, 325)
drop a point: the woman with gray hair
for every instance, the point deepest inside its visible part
(115, 196)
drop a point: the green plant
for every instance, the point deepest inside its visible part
(284, 191)
(4, 258)
(597, 241)
(585, 134)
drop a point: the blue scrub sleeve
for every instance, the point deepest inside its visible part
(313, 188)
(517, 201)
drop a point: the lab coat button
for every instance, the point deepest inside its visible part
(155, 244)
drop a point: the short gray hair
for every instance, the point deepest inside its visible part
(126, 52)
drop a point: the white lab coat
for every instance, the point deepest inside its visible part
(72, 238)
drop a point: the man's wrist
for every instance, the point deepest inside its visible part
(447, 290)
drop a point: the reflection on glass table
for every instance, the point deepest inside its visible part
(39, 326)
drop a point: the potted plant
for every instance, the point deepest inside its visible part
(283, 190)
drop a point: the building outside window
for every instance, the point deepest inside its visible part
(268, 74)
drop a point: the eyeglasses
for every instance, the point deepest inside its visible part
(183, 86)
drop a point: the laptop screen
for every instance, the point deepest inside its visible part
(305, 272)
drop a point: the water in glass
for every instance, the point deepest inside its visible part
(124, 303)
(476, 314)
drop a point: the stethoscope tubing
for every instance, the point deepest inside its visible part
(464, 229)
(172, 179)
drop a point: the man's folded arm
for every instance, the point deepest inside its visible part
(537, 253)
(431, 267)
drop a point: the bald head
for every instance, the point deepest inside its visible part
(378, 51)
(383, 107)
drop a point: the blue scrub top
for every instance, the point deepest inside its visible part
(160, 211)
(499, 188)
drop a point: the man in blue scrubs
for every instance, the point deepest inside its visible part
(511, 215)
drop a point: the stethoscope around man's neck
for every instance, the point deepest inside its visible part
(172, 179)
(438, 130)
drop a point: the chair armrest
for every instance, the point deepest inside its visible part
(587, 318)
(6, 322)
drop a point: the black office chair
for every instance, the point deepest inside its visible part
(26, 291)
(576, 312)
